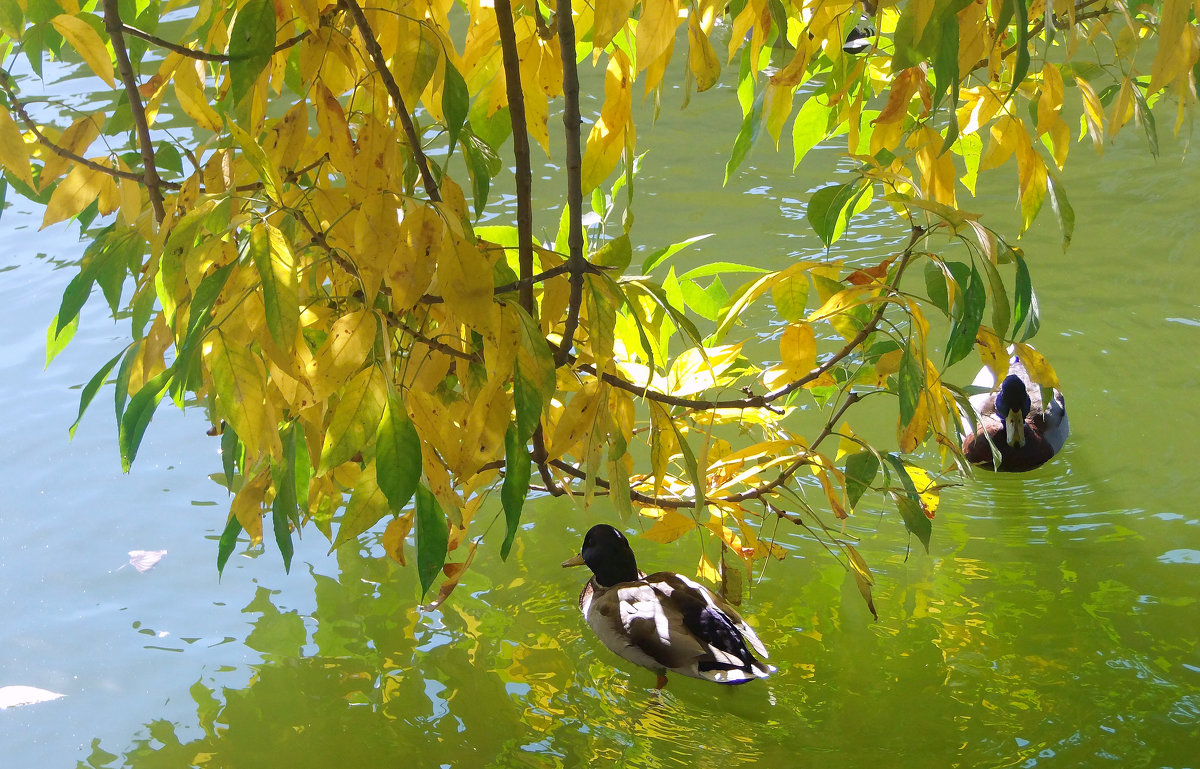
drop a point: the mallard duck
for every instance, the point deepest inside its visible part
(663, 621)
(1025, 433)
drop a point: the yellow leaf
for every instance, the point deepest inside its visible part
(482, 434)
(1093, 113)
(1040, 370)
(904, 85)
(705, 570)
(1122, 109)
(73, 194)
(576, 419)
(926, 489)
(75, 140)
(394, 536)
(993, 352)
(798, 355)
(606, 141)
(14, 153)
(670, 526)
(655, 30)
(331, 120)
(1032, 177)
(354, 419)
(465, 284)
(937, 167)
(376, 232)
(611, 16)
(343, 353)
(1174, 52)
(189, 87)
(696, 370)
(414, 262)
(706, 67)
(247, 505)
(239, 382)
(84, 39)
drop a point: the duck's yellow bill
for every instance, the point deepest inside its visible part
(1014, 428)
(575, 560)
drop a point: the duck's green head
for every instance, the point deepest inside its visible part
(608, 554)
(1013, 405)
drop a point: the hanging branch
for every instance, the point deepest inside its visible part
(112, 23)
(576, 263)
(516, 114)
(192, 53)
(389, 82)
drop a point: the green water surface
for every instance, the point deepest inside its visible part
(1053, 622)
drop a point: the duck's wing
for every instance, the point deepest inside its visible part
(669, 622)
(1055, 427)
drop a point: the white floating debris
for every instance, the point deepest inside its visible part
(144, 560)
(16, 696)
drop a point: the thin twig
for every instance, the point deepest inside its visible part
(32, 127)
(571, 120)
(192, 53)
(389, 82)
(524, 174)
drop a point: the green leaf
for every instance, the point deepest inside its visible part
(516, 485)
(283, 532)
(456, 102)
(90, 390)
(747, 134)
(1062, 210)
(1000, 307)
(367, 506)
(809, 128)
(861, 469)
(966, 324)
(909, 504)
(1025, 309)
(720, 268)
(616, 253)
(283, 507)
(1021, 68)
(828, 207)
(945, 66)
(231, 454)
(433, 538)
(397, 454)
(303, 472)
(227, 542)
(1146, 118)
(277, 273)
(137, 417)
(912, 381)
(935, 286)
(251, 43)
(56, 342)
(657, 258)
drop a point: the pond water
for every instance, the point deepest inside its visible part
(1053, 622)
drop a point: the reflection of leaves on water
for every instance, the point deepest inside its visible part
(275, 633)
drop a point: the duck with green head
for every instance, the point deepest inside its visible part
(1017, 430)
(663, 621)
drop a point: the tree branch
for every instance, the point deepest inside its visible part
(32, 127)
(571, 120)
(192, 53)
(112, 23)
(524, 175)
(389, 82)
